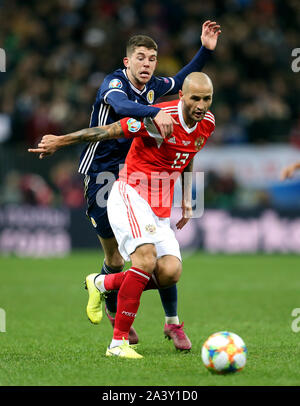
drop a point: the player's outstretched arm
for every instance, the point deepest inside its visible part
(210, 33)
(186, 184)
(50, 143)
(289, 170)
(209, 38)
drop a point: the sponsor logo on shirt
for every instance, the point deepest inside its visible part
(166, 80)
(115, 84)
(172, 140)
(133, 125)
(186, 142)
(150, 96)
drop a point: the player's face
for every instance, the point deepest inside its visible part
(196, 102)
(140, 66)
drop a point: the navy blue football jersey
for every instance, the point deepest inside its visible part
(116, 89)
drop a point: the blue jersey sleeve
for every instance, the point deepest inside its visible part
(114, 91)
(128, 108)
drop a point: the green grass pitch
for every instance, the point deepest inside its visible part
(49, 341)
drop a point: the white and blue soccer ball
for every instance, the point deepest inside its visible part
(224, 352)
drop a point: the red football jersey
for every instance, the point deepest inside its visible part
(153, 164)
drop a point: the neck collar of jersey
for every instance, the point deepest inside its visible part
(135, 89)
(182, 122)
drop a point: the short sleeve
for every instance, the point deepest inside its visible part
(209, 120)
(134, 128)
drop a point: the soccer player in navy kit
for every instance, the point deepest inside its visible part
(130, 92)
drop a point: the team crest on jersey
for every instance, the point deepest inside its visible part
(199, 142)
(133, 125)
(115, 84)
(150, 96)
(150, 228)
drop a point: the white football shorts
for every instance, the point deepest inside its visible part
(134, 223)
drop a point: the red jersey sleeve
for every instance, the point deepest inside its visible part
(209, 120)
(133, 128)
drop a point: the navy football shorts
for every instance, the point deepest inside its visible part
(97, 214)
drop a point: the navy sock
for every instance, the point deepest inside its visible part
(169, 300)
(111, 297)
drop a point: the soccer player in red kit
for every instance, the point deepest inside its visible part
(139, 206)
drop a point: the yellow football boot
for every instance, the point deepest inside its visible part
(94, 306)
(124, 351)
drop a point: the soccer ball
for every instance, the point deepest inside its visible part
(224, 352)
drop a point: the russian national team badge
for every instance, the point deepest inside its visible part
(150, 96)
(150, 228)
(133, 125)
(200, 141)
(115, 84)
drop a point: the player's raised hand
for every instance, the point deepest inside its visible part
(47, 146)
(210, 33)
(165, 122)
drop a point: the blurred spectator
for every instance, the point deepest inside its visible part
(35, 190)
(220, 190)
(10, 191)
(69, 184)
(59, 51)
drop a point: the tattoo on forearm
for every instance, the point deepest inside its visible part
(95, 134)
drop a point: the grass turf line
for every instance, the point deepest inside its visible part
(49, 341)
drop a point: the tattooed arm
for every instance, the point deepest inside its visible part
(51, 143)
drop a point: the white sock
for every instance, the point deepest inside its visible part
(116, 343)
(172, 320)
(99, 283)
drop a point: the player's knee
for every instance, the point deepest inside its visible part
(114, 260)
(169, 271)
(145, 257)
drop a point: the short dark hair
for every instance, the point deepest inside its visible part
(140, 41)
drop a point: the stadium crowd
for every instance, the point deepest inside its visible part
(58, 53)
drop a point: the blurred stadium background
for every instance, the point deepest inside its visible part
(58, 53)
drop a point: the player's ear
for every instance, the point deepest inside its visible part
(126, 61)
(180, 94)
